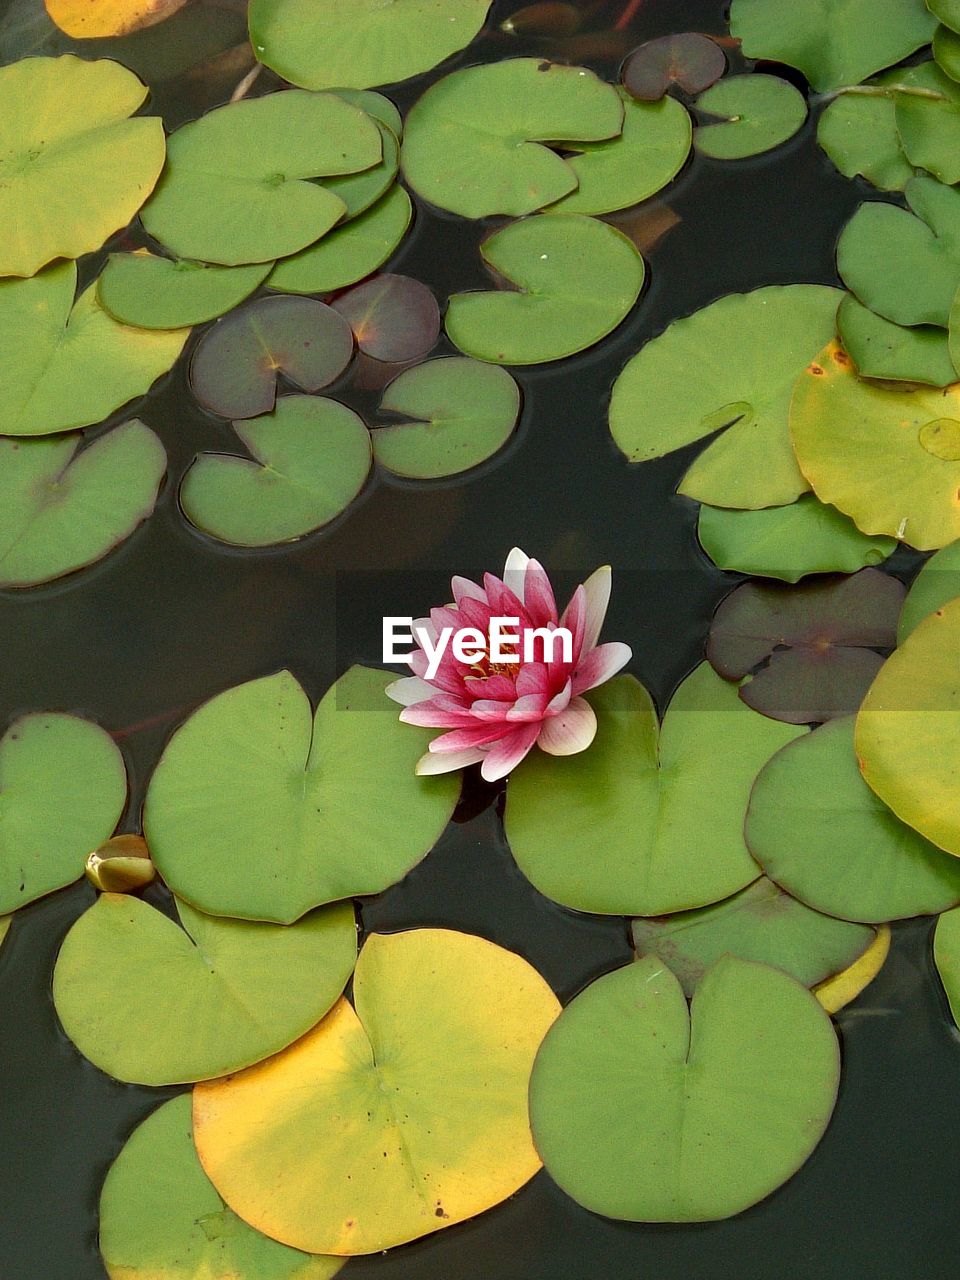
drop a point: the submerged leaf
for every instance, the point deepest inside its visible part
(688, 60)
(757, 113)
(155, 293)
(546, 18)
(393, 318)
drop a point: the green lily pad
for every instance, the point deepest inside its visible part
(310, 458)
(747, 350)
(788, 542)
(459, 411)
(61, 510)
(761, 923)
(892, 352)
(73, 167)
(393, 318)
(71, 364)
(576, 279)
(377, 105)
(946, 51)
(851, 436)
(688, 60)
(235, 190)
(859, 134)
(929, 124)
(646, 1111)
(160, 1215)
(833, 42)
(818, 830)
(757, 113)
(953, 340)
(908, 730)
(359, 191)
(260, 810)
(155, 293)
(937, 583)
(620, 172)
(335, 44)
(64, 787)
(348, 253)
(198, 1002)
(649, 820)
(948, 12)
(905, 266)
(946, 955)
(473, 141)
(237, 363)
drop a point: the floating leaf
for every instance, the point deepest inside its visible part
(377, 105)
(348, 253)
(756, 113)
(946, 51)
(747, 350)
(788, 542)
(851, 436)
(929, 122)
(576, 277)
(155, 293)
(461, 412)
(761, 923)
(70, 364)
(333, 44)
(192, 1003)
(472, 142)
(237, 363)
(64, 788)
(954, 333)
(859, 134)
(311, 457)
(937, 583)
(690, 61)
(161, 1216)
(948, 11)
(393, 318)
(359, 191)
(5, 922)
(120, 865)
(833, 42)
(235, 190)
(291, 810)
(818, 830)
(86, 21)
(946, 955)
(640, 827)
(817, 643)
(644, 1110)
(73, 167)
(61, 509)
(908, 730)
(881, 349)
(837, 992)
(401, 1118)
(648, 154)
(905, 267)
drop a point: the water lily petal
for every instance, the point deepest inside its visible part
(429, 716)
(514, 571)
(530, 707)
(596, 591)
(478, 735)
(430, 764)
(533, 677)
(560, 701)
(508, 752)
(574, 618)
(464, 589)
(489, 710)
(446, 678)
(501, 688)
(600, 664)
(409, 690)
(538, 598)
(569, 732)
(504, 602)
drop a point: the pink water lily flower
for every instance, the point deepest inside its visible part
(495, 712)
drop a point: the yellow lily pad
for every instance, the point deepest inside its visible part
(86, 21)
(836, 992)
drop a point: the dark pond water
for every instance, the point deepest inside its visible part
(171, 619)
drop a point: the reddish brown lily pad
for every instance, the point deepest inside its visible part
(392, 317)
(691, 61)
(236, 366)
(811, 652)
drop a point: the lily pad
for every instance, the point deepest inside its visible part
(833, 42)
(946, 955)
(83, 21)
(908, 730)
(937, 583)
(359, 191)
(817, 643)
(64, 788)
(647, 1111)
(400, 1117)
(199, 1001)
(71, 364)
(859, 134)
(835, 993)
(690, 61)
(377, 105)
(946, 51)
(261, 810)
(473, 141)
(393, 318)
(761, 923)
(459, 411)
(335, 44)
(788, 542)
(851, 436)
(161, 1216)
(348, 253)
(310, 458)
(235, 188)
(893, 352)
(74, 167)
(747, 350)
(648, 821)
(620, 172)
(929, 123)
(756, 113)
(156, 293)
(237, 363)
(818, 830)
(61, 509)
(948, 12)
(576, 279)
(5, 922)
(905, 266)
